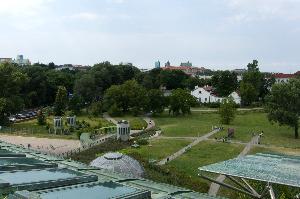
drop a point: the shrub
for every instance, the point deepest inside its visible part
(96, 108)
(142, 142)
(41, 119)
(114, 110)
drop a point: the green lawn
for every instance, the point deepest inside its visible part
(192, 125)
(31, 128)
(205, 153)
(158, 148)
(245, 124)
(248, 123)
(136, 123)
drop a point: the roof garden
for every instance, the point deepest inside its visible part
(36, 175)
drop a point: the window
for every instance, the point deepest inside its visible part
(200, 92)
(205, 99)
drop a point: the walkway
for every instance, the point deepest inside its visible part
(55, 146)
(150, 123)
(110, 119)
(214, 188)
(184, 149)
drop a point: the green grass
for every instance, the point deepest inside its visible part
(192, 125)
(205, 153)
(136, 123)
(248, 123)
(158, 148)
(245, 124)
(31, 128)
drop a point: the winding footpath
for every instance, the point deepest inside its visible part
(184, 149)
(214, 188)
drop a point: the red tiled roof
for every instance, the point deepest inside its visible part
(282, 75)
(297, 73)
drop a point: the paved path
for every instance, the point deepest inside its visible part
(216, 110)
(55, 146)
(183, 150)
(108, 118)
(150, 123)
(214, 188)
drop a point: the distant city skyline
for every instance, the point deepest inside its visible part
(216, 34)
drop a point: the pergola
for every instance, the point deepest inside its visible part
(267, 168)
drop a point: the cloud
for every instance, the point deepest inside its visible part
(261, 10)
(84, 16)
(22, 8)
(116, 1)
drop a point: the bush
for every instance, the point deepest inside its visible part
(142, 142)
(96, 108)
(78, 134)
(114, 110)
(41, 119)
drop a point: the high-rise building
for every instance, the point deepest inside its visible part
(21, 61)
(167, 64)
(157, 64)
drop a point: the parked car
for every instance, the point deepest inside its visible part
(12, 119)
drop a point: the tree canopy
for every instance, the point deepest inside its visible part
(283, 104)
(11, 82)
(225, 82)
(181, 102)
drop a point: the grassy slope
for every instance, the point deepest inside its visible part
(158, 149)
(136, 123)
(188, 125)
(245, 124)
(205, 153)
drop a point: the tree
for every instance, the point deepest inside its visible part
(248, 93)
(283, 104)
(36, 89)
(76, 104)
(173, 79)
(155, 101)
(181, 102)
(129, 96)
(253, 81)
(86, 88)
(60, 101)
(96, 108)
(227, 111)
(225, 82)
(11, 81)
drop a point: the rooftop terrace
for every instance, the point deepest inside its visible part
(36, 175)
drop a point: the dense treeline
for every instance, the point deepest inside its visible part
(104, 87)
(118, 88)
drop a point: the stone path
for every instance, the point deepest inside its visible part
(214, 188)
(184, 149)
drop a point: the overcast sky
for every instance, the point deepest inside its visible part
(217, 34)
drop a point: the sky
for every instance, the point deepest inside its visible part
(216, 34)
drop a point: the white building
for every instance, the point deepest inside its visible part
(123, 130)
(206, 95)
(283, 78)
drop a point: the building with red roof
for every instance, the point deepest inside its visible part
(189, 69)
(284, 78)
